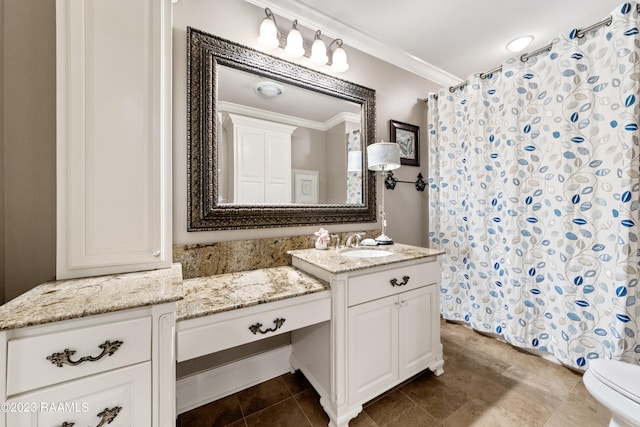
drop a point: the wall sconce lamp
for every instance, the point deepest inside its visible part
(383, 156)
(354, 161)
(295, 46)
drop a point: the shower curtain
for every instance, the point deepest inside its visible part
(534, 193)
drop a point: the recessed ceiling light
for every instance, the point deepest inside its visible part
(268, 89)
(519, 43)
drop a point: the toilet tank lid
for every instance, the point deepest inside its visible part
(622, 377)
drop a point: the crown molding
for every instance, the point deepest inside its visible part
(314, 19)
(258, 113)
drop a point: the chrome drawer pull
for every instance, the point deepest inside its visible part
(107, 415)
(394, 282)
(59, 359)
(257, 327)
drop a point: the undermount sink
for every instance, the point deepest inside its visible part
(366, 253)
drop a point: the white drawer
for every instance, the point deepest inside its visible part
(32, 362)
(122, 396)
(380, 284)
(205, 335)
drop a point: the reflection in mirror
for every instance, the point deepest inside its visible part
(272, 143)
(280, 144)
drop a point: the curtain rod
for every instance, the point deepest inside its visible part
(579, 33)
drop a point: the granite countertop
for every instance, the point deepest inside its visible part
(73, 298)
(204, 296)
(334, 262)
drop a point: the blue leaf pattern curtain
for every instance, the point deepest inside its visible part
(534, 191)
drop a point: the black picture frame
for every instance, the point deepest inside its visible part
(408, 137)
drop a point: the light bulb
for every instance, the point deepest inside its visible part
(268, 34)
(294, 47)
(319, 52)
(339, 60)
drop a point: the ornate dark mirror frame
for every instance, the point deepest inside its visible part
(204, 53)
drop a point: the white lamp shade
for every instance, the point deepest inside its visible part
(383, 156)
(295, 48)
(319, 52)
(339, 60)
(268, 34)
(354, 161)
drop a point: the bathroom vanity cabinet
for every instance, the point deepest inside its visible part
(113, 142)
(63, 365)
(383, 330)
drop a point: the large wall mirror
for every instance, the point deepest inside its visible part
(272, 143)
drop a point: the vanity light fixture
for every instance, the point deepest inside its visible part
(519, 43)
(383, 156)
(295, 46)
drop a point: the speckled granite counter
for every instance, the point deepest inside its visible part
(204, 296)
(334, 262)
(73, 298)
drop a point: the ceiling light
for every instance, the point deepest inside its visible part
(519, 43)
(268, 89)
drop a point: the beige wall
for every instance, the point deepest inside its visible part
(28, 144)
(27, 209)
(399, 96)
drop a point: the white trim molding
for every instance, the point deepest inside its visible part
(257, 113)
(204, 387)
(313, 18)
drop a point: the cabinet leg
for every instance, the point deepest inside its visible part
(343, 415)
(437, 368)
(292, 367)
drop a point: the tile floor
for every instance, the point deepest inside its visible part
(486, 383)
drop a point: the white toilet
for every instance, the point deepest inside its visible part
(616, 385)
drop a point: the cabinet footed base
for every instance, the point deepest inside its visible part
(345, 414)
(437, 368)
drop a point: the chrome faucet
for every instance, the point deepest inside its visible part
(337, 237)
(350, 237)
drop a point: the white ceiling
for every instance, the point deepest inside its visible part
(443, 40)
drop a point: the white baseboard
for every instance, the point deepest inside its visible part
(205, 387)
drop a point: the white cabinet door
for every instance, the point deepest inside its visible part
(113, 136)
(250, 165)
(391, 339)
(261, 159)
(277, 167)
(418, 337)
(373, 348)
(122, 396)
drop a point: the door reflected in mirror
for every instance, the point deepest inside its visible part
(282, 144)
(271, 143)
